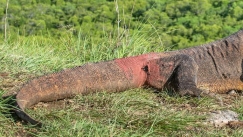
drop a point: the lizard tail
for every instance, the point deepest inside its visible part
(24, 116)
(110, 76)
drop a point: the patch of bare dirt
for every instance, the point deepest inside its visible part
(25, 132)
(11, 83)
(59, 104)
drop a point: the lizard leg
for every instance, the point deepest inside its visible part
(186, 70)
(186, 77)
(178, 72)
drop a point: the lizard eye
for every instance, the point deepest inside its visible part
(145, 68)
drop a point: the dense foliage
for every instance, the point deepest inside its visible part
(174, 23)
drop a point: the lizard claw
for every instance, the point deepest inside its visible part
(194, 92)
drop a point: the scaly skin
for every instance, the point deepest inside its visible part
(111, 76)
(215, 67)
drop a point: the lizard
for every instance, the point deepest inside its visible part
(215, 67)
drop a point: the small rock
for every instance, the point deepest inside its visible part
(222, 118)
(232, 92)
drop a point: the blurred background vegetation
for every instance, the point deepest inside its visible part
(171, 23)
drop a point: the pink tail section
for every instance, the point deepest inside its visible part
(133, 67)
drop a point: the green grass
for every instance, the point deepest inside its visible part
(136, 112)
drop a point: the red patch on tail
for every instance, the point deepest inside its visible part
(133, 67)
